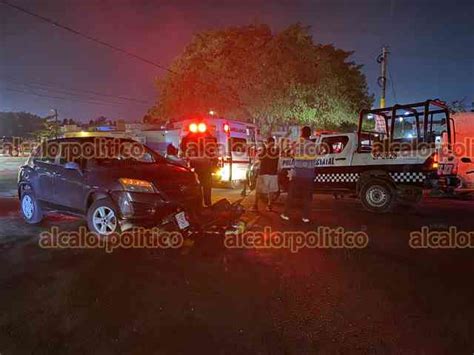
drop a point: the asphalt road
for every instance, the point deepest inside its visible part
(205, 298)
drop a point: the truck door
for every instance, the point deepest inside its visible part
(333, 166)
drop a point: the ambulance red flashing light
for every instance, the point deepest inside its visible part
(197, 127)
(202, 127)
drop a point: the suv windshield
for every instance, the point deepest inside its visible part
(99, 151)
(129, 152)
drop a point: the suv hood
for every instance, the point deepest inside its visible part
(161, 174)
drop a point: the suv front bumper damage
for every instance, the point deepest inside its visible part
(148, 210)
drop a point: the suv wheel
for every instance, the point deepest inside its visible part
(30, 208)
(377, 196)
(102, 218)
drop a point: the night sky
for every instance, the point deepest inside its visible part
(431, 43)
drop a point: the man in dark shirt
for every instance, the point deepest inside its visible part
(200, 150)
(304, 159)
(267, 180)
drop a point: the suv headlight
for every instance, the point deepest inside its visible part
(135, 185)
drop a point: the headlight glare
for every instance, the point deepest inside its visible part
(135, 185)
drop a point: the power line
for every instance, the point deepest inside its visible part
(34, 90)
(88, 37)
(61, 97)
(110, 46)
(76, 92)
(392, 84)
(56, 97)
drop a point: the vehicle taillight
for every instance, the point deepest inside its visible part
(435, 164)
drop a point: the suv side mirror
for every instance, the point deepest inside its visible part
(70, 165)
(466, 160)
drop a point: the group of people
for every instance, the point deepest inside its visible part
(301, 183)
(304, 155)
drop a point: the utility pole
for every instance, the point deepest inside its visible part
(56, 123)
(55, 116)
(382, 59)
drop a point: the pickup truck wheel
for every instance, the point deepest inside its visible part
(377, 196)
(30, 208)
(102, 218)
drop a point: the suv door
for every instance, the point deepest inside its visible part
(70, 184)
(44, 170)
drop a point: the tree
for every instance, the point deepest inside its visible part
(68, 121)
(19, 124)
(252, 74)
(50, 129)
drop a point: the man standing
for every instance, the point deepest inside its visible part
(267, 179)
(200, 150)
(303, 175)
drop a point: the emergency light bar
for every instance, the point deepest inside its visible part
(193, 128)
(197, 127)
(202, 127)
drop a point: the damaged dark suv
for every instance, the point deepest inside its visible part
(113, 183)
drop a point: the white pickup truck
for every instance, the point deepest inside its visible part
(396, 153)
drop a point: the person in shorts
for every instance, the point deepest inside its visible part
(267, 179)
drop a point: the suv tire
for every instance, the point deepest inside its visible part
(30, 208)
(102, 218)
(377, 196)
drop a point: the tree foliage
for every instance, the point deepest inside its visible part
(19, 124)
(250, 73)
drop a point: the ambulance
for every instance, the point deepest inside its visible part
(235, 141)
(464, 149)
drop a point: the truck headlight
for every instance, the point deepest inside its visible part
(135, 185)
(219, 173)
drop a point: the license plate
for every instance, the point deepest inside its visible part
(446, 169)
(181, 220)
